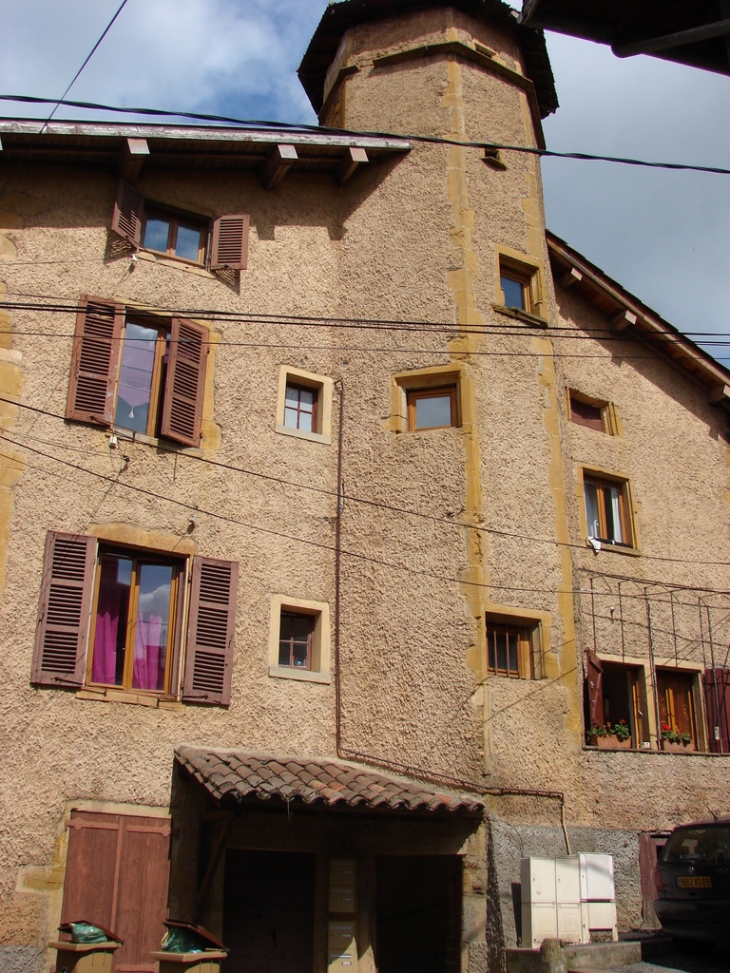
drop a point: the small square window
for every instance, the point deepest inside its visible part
(594, 414)
(519, 284)
(296, 635)
(585, 414)
(301, 407)
(304, 405)
(515, 291)
(431, 408)
(299, 640)
(607, 510)
(511, 646)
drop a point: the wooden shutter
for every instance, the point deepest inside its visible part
(88, 891)
(229, 247)
(142, 888)
(95, 361)
(59, 658)
(716, 683)
(128, 213)
(211, 626)
(594, 690)
(117, 876)
(182, 409)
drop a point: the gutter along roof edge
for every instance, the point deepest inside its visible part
(681, 350)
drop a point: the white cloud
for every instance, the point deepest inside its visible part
(663, 235)
(176, 54)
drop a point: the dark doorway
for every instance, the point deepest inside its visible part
(419, 914)
(268, 912)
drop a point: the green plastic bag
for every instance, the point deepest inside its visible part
(177, 940)
(84, 932)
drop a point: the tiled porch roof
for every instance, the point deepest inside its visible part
(234, 777)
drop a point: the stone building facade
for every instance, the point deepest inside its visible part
(339, 502)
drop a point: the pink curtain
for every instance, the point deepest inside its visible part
(149, 655)
(104, 665)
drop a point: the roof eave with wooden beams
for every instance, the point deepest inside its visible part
(626, 313)
(130, 148)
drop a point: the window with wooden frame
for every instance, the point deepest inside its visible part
(296, 640)
(518, 285)
(616, 693)
(304, 405)
(591, 413)
(299, 639)
(218, 244)
(511, 647)
(607, 510)
(515, 289)
(432, 408)
(175, 235)
(301, 407)
(112, 617)
(138, 372)
(675, 693)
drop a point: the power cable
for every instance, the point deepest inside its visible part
(343, 323)
(86, 61)
(264, 125)
(334, 494)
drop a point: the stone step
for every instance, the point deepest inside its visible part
(601, 956)
(556, 957)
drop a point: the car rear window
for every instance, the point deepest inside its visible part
(709, 843)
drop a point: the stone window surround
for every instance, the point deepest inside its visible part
(324, 387)
(321, 647)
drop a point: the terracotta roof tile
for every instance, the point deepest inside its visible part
(238, 776)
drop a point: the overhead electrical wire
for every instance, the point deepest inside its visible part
(353, 498)
(527, 328)
(86, 61)
(264, 125)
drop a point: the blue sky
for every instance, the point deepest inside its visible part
(664, 235)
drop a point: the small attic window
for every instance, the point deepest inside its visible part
(593, 414)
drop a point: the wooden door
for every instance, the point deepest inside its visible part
(117, 876)
(268, 912)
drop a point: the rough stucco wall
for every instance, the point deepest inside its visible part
(412, 240)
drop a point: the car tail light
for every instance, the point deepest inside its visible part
(658, 881)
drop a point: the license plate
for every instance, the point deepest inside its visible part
(694, 882)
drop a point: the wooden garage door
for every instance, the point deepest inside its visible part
(117, 876)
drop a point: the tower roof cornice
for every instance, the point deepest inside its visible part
(345, 14)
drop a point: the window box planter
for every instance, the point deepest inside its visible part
(610, 742)
(672, 747)
(85, 957)
(206, 962)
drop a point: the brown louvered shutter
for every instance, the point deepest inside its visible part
(182, 409)
(95, 361)
(59, 658)
(716, 683)
(229, 247)
(211, 625)
(128, 213)
(594, 690)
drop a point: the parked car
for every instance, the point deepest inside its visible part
(693, 882)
